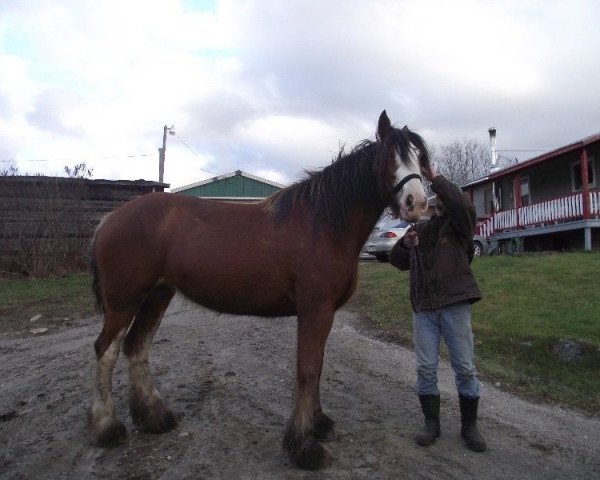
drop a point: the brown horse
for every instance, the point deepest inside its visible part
(297, 255)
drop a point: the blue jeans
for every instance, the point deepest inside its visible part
(453, 323)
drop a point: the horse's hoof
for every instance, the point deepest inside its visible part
(311, 455)
(305, 452)
(324, 428)
(110, 432)
(155, 418)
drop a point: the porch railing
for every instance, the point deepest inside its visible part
(595, 204)
(565, 208)
(556, 210)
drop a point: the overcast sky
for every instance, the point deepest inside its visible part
(274, 87)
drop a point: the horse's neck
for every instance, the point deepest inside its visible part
(362, 223)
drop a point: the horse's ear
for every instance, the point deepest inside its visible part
(383, 126)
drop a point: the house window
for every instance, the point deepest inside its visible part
(576, 184)
(525, 195)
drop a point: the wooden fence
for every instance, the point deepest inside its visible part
(46, 222)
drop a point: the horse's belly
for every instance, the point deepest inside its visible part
(259, 305)
(239, 293)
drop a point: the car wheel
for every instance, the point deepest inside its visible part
(382, 257)
(477, 249)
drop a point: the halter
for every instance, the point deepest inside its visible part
(403, 182)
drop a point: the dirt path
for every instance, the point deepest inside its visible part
(231, 380)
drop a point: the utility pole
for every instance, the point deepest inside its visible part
(162, 151)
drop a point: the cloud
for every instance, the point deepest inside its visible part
(276, 86)
(53, 112)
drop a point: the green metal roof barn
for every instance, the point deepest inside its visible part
(237, 186)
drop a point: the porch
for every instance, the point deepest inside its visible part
(571, 212)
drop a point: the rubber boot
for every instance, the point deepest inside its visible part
(468, 416)
(430, 404)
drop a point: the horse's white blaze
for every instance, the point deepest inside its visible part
(414, 187)
(103, 406)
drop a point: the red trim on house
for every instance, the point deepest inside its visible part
(585, 183)
(517, 188)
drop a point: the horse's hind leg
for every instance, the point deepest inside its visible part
(308, 420)
(107, 428)
(147, 409)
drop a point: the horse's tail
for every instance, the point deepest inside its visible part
(96, 290)
(96, 284)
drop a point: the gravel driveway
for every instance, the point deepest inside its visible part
(230, 379)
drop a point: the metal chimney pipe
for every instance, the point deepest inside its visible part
(494, 166)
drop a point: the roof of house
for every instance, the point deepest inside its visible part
(571, 147)
(90, 181)
(237, 185)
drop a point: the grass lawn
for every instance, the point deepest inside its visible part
(533, 305)
(58, 300)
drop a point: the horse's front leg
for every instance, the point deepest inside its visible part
(324, 425)
(308, 421)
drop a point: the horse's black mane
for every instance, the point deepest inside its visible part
(355, 178)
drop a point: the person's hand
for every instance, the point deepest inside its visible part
(429, 171)
(410, 239)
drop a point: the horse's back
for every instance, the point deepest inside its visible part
(166, 225)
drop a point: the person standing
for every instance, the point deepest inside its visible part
(438, 253)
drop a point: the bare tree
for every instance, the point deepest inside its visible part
(463, 160)
(10, 170)
(81, 170)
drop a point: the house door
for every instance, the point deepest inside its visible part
(525, 194)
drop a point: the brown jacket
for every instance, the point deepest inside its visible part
(440, 271)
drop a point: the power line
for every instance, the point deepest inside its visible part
(199, 156)
(77, 159)
(517, 150)
(512, 160)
